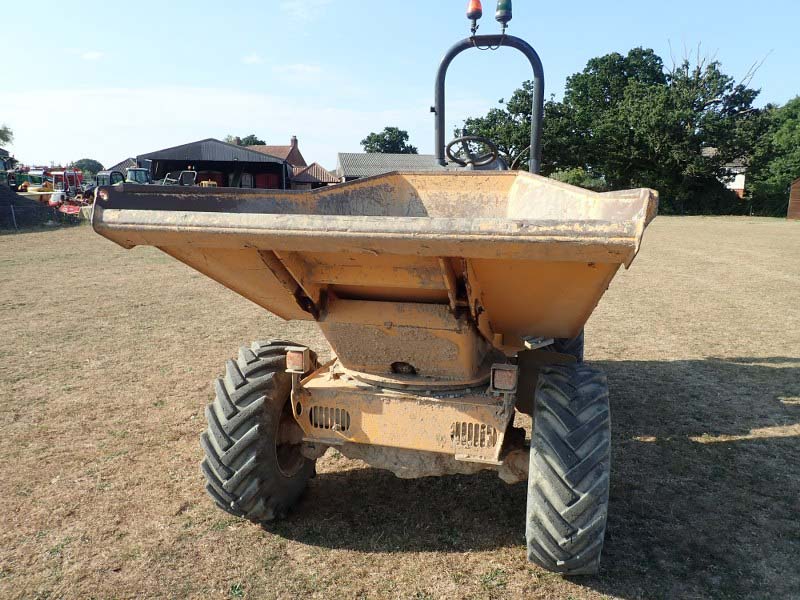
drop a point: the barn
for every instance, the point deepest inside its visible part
(226, 164)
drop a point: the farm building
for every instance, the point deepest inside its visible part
(794, 201)
(291, 153)
(735, 172)
(304, 176)
(311, 177)
(355, 165)
(226, 164)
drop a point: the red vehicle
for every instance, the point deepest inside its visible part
(68, 198)
(67, 180)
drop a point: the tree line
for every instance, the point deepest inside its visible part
(627, 121)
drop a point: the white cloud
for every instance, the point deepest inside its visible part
(252, 59)
(304, 10)
(92, 55)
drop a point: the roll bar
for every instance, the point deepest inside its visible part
(537, 110)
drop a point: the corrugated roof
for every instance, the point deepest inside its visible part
(3, 152)
(211, 150)
(314, 173)
(363, 164)
(128, 163)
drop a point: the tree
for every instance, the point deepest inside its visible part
(389, 141)
(775, 161)
(252, 140)
(566, 134)
(677, 137)
(509, 127)
(89, 166)
(249, 140)
(629, 122)
(581, 178)
(6, 135)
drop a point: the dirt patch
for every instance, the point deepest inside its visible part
(105, 361)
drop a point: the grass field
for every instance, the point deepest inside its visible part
(106, 357)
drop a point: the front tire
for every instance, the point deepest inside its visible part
(253, 465)
(570, 464)
(572, 346)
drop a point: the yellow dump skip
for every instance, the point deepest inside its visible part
(522, 254)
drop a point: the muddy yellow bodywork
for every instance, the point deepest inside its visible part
(340, 410)
(419, 282)
(536, 255)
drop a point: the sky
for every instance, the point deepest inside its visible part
(97, 81)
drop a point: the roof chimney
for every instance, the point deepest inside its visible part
(294, 141)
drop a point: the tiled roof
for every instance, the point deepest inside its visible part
(213, 151)
(279, 151)
(314, 173)
(362, 164)
(290, 154)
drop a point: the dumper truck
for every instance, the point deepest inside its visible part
(452, 301)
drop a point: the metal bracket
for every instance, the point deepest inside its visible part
(533, 342)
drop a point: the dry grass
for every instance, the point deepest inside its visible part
(105, 362)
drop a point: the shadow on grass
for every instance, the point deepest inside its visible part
(694, 512)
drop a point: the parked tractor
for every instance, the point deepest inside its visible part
(32, 178)
(138, 175)
(106, 178)
(131, 175)
(451, 301)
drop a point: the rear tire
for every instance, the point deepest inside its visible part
(570, 464)
(253, 465)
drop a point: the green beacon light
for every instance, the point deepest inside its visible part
(504, 13)
(474, 12)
